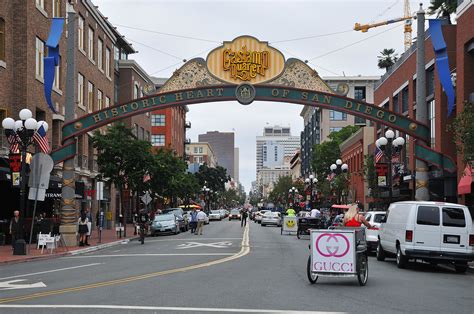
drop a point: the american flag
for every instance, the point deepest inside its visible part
(146, 178)
(14, 141)
(41, 140)
(378, 154)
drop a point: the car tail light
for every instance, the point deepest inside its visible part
(471, 240)
(409, 236)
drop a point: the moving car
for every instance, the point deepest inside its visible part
(259, 214)
(164, 223)
(372, 234)
(271, 218)
(436, 232)
(183, 221)
(215, 215)
(234, 214)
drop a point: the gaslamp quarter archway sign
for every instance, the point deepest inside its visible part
(244, 70)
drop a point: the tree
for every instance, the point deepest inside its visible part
(370, 176)
(387, 58)
(443, 8)
(463, 131)
(213, 178)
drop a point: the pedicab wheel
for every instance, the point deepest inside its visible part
(362, 269)
(311, 276)
(298, 233)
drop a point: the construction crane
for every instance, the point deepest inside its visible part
(406, 30)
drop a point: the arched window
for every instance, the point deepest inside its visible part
(2, 39)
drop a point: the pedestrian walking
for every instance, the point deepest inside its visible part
(16, 227)
(82, 228)
(89, 225)
(194, 221)
(243, 217)
(201, 218)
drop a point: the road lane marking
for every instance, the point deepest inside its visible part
(149, 254)
(190, 239)
(245, 249)
(15, 284)
(218, 245)
(50, 271)
(153, 308)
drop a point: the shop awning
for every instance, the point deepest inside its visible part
(464, 186)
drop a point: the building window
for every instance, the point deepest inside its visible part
(195, 150)
(147, 134)
(57, 8)
(116, 53)
(99, 99)
(432, 122)
(396, 105)
(100, 48)
(57, 73)
(107, 102)
(158, 139)
(200, 150)
(158, 120)
(90, 97)
(337, 116)
(91, 43)
(2, 39)
(359, 93)
(136, 91)
(80, 33)
(40, 4)
(107, 62)
(335, 129)
(80, 90)
(39, 58)
(141, 136)
(430, 81)
(405, 100)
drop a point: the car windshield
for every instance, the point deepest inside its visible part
(378, 218)
(164, 217)
(215, 212)
(234, 211)
(270, 214)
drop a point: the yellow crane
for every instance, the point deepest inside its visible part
(406, 30)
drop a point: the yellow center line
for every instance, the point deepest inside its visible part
(244, 250)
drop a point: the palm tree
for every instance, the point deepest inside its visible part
(442, 8)
(387, 58)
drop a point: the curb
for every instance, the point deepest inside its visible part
(75, 252)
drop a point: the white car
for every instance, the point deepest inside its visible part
(372, 234)
(259, 215)
(436, 232)
(215, 215)
(271, 218)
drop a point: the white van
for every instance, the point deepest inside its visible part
(431, 231)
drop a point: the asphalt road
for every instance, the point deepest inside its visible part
(228, 269)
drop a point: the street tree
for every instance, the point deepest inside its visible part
(443, 8)
(387, 59)
(213, 178)
(463, 131)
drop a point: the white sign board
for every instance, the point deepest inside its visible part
(290, 224)
(332, 251)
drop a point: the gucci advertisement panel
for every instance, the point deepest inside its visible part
(332, 251)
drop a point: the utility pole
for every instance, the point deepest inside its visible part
(421, 169)
(68, 209)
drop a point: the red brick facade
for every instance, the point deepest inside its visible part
(174, 129)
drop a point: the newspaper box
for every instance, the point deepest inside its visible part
(289, 225)
(338, 253)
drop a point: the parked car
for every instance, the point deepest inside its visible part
(372, 234)
(436, 232)
(234, 214)
(223, 213)
(183, 221)
(215, 215)
(271, 218)
(164, 223)
(206, 222)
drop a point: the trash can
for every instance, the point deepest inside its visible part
(20, 247)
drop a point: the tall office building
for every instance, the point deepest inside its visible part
(236, 164)
(222, 144)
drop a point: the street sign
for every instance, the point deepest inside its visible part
(40, 169)
(407, 178)
(100, 191)
(146, 199)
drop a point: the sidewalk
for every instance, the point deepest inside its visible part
(109, 238)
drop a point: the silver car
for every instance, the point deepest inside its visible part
(164, 223)
(372, 234)
(215, 215)
(271, 218)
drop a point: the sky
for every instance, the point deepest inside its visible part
(167, 32)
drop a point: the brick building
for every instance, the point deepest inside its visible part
(198, 154)
(397, 91)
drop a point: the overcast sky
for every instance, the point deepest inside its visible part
(194, 27)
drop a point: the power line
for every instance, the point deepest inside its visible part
(168, 34)
(390, 6)
(173, 65)
(354, 43)
(292, 54)
(310, 37)
(155, 49)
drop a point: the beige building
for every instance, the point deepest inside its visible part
(295, 166)
(266, 179)
(201, 153)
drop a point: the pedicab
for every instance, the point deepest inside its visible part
(306, 223)
(340, 252)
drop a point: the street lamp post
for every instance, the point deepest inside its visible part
(206, 191)
(293, 192)
(339, 168)
(310, 181)
(21, 132)
(390, 147)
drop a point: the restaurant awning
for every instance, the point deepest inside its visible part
(464, 185)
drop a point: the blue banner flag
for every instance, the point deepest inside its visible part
(442, 62)
(52, 60)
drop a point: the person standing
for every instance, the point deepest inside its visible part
(16, 227)
(243, 218)
(82, 228)
(194, 221)
(201, 218)
(89, 225)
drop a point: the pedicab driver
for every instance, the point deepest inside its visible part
(290, 212)
(352, 218)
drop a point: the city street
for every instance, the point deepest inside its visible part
(227, 269)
